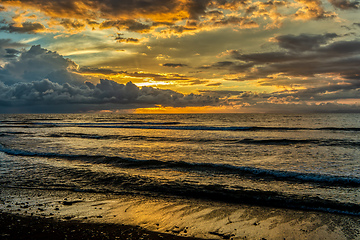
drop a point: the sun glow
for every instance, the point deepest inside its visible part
(187, 110)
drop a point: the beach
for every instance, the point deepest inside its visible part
(40, 214)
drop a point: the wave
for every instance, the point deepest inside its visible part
(247, 141)
(172, 125)
(224, 169)
(81, 180)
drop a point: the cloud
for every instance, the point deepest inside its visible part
(104, 94)
(313, 9)
(302, 55)
(111, 9)
(37, 90)
(345, 4)
(303, 42)
(9, 49)
(38, 63)
(90, 70)
(289, 101)
(128, 24)
(176, 16)
(38, 78)
(72, 24)
(26, 27)
(174, 65)
(141, 75)
(120, 39)
(316, 67)
(214, 84)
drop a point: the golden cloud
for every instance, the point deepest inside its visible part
(175, 16)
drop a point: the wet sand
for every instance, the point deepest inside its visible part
(43, 214)
(14, 226)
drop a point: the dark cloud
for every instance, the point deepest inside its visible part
(145, 15)
(240, 22)
(37, 64)
(345, 4)
(98, 71)
(220, 93)
(9, 49)
(223, 64)
(214, 84)
(303, 42)
(196, 82)
(177, 16)
(72, 24)
(158, 77)
(27, 27)
(306, 55)
(11, 53)
(119, 38)
(106, 93)
(128, 24)
(86, 8)
(174, 65)
(303, 60)
(39, 78)
(154, 76)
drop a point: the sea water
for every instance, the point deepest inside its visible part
(295, 161)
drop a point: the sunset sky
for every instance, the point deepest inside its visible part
(179, 56)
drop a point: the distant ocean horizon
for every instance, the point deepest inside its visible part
(296, 161)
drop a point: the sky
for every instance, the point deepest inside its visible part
(179, 56)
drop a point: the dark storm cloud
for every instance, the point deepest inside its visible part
(345, 4)
(27, 27)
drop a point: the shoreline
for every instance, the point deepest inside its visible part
(25, 212)
(15, 226)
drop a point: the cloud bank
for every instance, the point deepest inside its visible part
(39, 80)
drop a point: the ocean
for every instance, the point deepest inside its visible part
(308, 162)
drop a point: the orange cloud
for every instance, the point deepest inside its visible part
(176, 17)
(111, 9)
(312, 9)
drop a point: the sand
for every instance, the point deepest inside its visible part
(43, 214)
